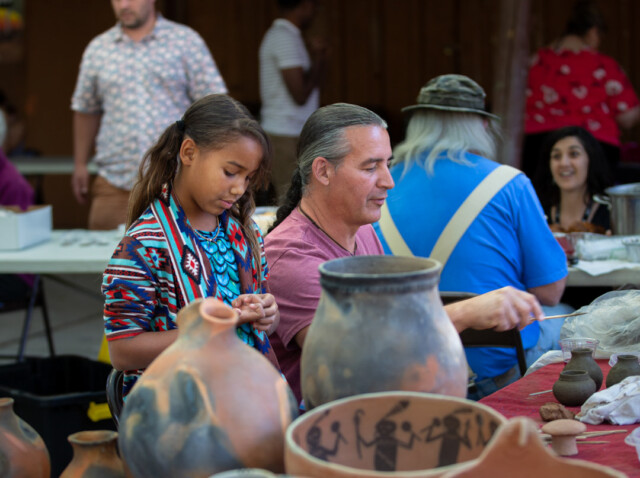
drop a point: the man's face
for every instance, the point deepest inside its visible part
(133, 14)
(358, 186)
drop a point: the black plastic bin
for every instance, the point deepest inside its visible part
(53, 396)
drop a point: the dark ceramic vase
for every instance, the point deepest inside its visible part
(573, 387)
(23, 453)
(94, 455)
(208, 403)
(380, 326)
(582, 359)
(626, 366)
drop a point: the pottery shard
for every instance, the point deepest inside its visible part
(554, 411)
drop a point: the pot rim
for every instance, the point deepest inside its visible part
(364, 271)
(624, 190)
(292, 447)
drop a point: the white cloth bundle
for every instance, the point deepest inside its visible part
(618, 404)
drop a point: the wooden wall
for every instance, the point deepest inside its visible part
(382, 51)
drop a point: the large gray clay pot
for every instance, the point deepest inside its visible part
(207, 404)
(380, 326)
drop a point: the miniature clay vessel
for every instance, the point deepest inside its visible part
(582, 359)
(626, 366)
(404, 434)
(206, 404)
(94, 455)
(380, 326)
(573, 387)
(23, 453)
(518, 450)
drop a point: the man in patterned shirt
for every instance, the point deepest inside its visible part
(135, 79)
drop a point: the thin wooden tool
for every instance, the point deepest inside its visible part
(586, 435)
(540, 393)
(573, 314)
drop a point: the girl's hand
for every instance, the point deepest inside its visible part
(260, 309)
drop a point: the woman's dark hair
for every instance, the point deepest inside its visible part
(323, 136)
(584, 16)
(598, 172)
(212, 123)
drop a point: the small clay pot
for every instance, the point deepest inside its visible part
(23, 454)
(95, 455)
(626, 366)
(573, 387)
(582, 359)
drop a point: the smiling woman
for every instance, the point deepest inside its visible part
(577, 169)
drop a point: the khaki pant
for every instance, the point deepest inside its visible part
(284, 162)
(108, 205)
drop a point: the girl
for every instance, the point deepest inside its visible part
(577, 169)
(190, 235)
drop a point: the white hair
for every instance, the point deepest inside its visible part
(439, 131)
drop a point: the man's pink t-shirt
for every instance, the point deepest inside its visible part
(294, 251)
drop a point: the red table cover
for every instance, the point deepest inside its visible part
(515, 400)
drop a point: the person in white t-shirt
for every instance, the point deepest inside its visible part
(290, 75)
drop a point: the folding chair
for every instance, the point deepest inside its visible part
(488, 337)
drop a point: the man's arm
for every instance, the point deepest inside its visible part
(301, 84)
(301, 336)
(501, 309)
(550, 294)
(85, 130)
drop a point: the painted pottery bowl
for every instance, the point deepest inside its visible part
(411, 434)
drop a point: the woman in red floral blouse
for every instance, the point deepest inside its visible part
(572, 84)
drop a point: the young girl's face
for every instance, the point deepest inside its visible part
(212, 181)
(569, 164)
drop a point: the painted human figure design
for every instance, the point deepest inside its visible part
(451, 436)
(482, 440)
(314, 437)
(385, 441)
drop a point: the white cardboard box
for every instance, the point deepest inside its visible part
(22, 229)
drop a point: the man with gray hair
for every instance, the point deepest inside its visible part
(341, 182)
(482, 220)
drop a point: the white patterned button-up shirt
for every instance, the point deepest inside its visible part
(140, 88)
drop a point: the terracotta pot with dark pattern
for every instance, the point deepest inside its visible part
(95, 455)
(23, 453)
(208, 403)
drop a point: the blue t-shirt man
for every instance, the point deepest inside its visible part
(508, 244)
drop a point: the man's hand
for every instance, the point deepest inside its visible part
(501, 309)
(80, 183)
